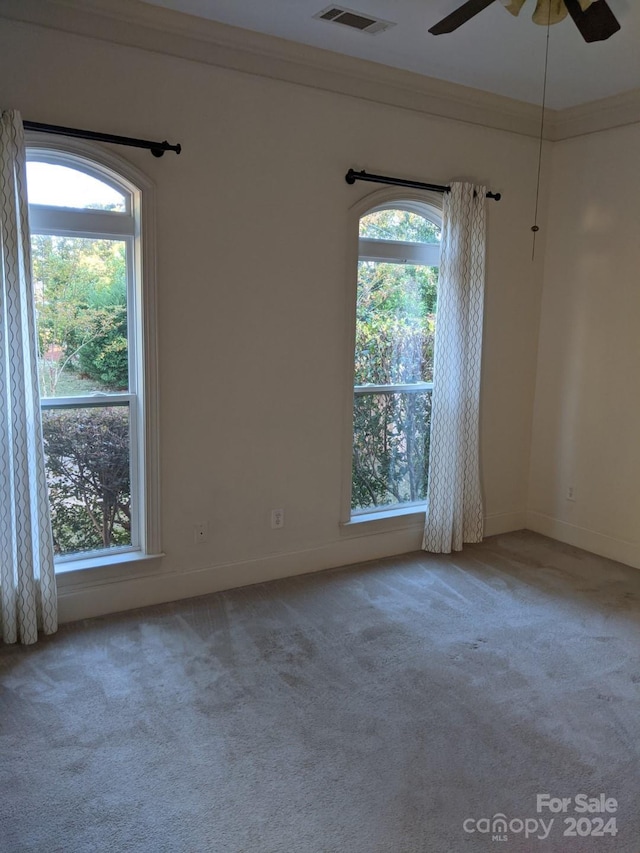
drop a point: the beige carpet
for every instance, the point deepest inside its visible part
(375, 709)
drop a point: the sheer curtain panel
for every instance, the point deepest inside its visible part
(27, 580)
(454, 499)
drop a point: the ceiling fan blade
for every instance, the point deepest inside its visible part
(596, 23)
(456, 19)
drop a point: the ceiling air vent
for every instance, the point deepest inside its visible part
(354, 20)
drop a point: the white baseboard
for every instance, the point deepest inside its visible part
(588, 540)
(90, 598)
(504, 522)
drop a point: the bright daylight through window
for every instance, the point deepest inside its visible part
(399, 250)
(83, 242)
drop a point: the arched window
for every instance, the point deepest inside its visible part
(398, 259)
(95, 332)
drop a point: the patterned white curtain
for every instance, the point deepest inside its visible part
(454, 499)
(27, 582)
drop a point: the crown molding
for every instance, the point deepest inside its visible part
(604, 114)
(136, 24)
(140, 25)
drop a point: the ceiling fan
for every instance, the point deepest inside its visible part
(593, 18)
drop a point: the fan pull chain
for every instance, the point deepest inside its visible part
(535, 228)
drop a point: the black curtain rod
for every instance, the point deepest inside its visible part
(351, 177)
(156, 148)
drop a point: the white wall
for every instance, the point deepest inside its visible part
(587, 414)
(252, 248)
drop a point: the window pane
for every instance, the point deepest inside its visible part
(80, 287)
(60, 186)
(395, 323)
(399, 225)
(390, 448)
(88, 475)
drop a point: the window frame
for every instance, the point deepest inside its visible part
(423, 203)
(136, 226)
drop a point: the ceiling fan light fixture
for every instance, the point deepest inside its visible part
(513, 6)
(549, 12)
(593, 18)
(546, 11)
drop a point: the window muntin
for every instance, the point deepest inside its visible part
(393, 378)
(85, 273)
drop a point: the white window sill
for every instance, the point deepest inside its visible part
(413, 514)
(64, 566)
(105, 568)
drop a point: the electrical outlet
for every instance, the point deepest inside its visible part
(277, 518)
(571, 493)
(200, 532)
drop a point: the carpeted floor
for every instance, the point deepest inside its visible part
(383, 708)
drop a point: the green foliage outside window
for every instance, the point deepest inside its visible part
(104, 357)
(397, 224)
(80, 289)
(87, 459)
(81, 304)
(395, 328)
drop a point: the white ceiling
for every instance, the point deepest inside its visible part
(495, 51)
